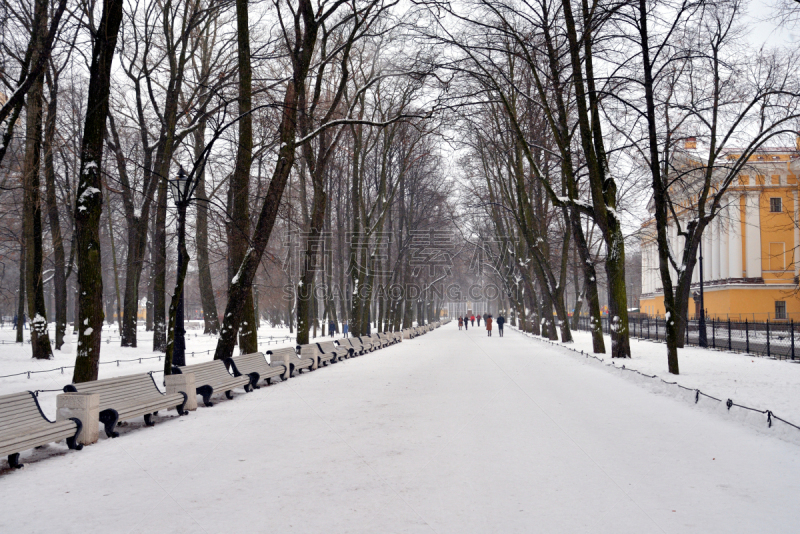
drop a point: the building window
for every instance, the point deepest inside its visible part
(780, 309)
(775, 205)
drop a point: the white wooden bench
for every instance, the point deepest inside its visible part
(388, 338)
(354, 345)
(255, 365)
(212, 377)
(336, 352)
(288, 358)
(376, 338)
(23, 426)
(372, 343)
(310, 351)
(127, 397)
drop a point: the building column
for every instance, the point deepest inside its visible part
(753, 234)
(735, 238)
(707, 253)
(716, 248)
(796, 234)
(724, 220)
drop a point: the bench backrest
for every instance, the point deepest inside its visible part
(327, 346)
(20, 410)
(208, 372)
(253, 359)
(310, 349)
(278, 355)
(112, 391)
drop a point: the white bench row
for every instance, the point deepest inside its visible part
(23, 425)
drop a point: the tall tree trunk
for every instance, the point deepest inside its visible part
(89, 203)
(302, 53)
(21, 293)
(305, 290)
(114, 262)
(240, 182)
(159, 251)
(59, 261)
(210, 319)
(32, 205)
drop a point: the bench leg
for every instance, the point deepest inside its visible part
(109, 419)
(254, 378)
(229, 394)
(206, 392)
(148, 419)
(291, 370)
(269, 381)
(181, 408)
(71, 442)
(13, 461)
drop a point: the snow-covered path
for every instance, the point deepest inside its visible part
(450, 432)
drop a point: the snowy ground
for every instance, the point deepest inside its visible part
(760, 383)
(449, 432)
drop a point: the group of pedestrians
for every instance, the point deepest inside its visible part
(464, 321)
(332, 329)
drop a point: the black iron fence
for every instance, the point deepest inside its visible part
(773, 339)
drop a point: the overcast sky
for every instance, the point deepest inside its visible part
(765, 29)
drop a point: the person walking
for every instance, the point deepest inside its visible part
(466, 322)
(473, 320)
(479, 321)
(331, 328)
(345, 329)
(489, 325)
(500, 322)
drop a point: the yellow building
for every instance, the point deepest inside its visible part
(751, 250)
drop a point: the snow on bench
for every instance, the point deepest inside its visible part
(255, 366)
(336, 352)
(212, 377)
(127, 397)
(288, 358)
(23, 426)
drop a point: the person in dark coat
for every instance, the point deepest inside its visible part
(466, 322)
(345, 329)
(331, 328)
(500, 322)
(479, 320)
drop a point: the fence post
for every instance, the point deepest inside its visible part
(656, 328)
(729, 334)
(767, 337)
(791, 333)
(686, 327)
(714, 333)
(747, 336)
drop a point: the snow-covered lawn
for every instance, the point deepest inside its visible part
(759, 383)
(450, 432)
(114, 360)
